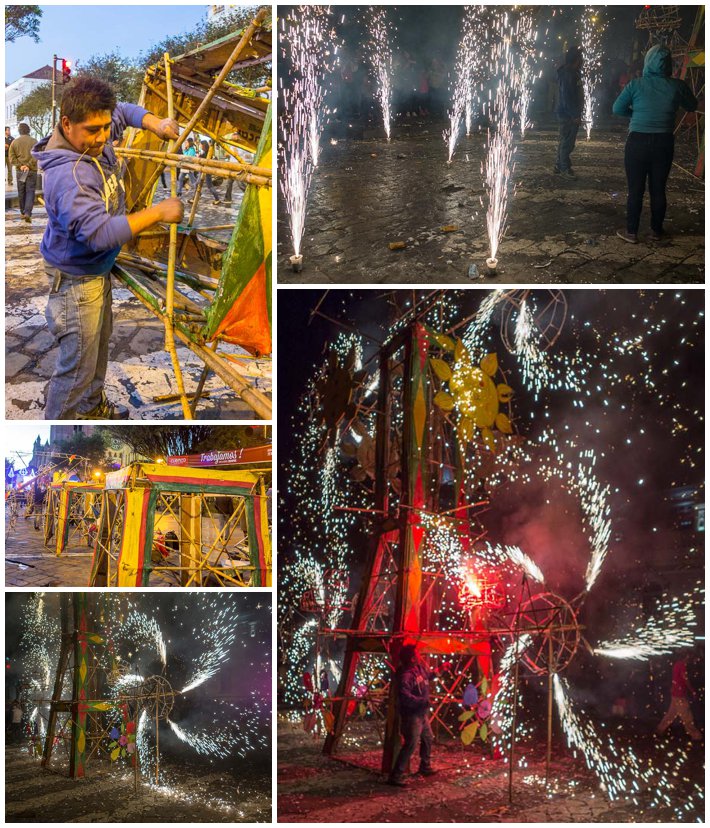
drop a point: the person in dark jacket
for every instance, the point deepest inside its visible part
(9, 138)
(413, 702)
(569, 110)
(651, 102)
(87, 225)
(21, 158)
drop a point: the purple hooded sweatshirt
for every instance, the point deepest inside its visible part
(85, 199)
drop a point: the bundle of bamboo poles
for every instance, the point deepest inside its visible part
(261, 176)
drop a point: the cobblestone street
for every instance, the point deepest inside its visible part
(467, 788)
(139, 369)
(188, 793)
(367, 194)
(29, 563)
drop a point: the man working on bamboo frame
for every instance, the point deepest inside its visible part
(87, 225)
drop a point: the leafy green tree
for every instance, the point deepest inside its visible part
(22, 21)
(91, 446)
(123, 75)
(206, 32)
(36, 109)
(167, 441)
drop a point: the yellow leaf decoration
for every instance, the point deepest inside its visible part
(446, 342)
(505, 393)
(466, 715)
(444, 400)
(441, 369)
(114, 754)
(484, 731)
(489, 439)
(468, 734)
(489, 364)
(503, 424)
(460, 351)
(465, 429)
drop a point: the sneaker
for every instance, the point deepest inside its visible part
(397, 782)
(104, 410)
(570, 173)
(630, 238)
(556, 170)
(660, 237)
(216, 201)
(28, 219)
(427, 772)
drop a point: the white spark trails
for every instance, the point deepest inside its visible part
(141, 628)
(216, 637)
(498, 167)
(526, 35)
(592, 30)
(672, 628)
(594, 500)
(379, 52)
(307, 51)
(502, 709)
(469, 64)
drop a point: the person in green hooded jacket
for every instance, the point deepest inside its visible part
(651, 102)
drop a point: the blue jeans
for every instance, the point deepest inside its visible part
(414, 729)
(80, 318)
(26, 192)
(569, 127)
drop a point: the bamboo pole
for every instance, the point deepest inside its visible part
(227, 169)
(202, 381)
(256, 400)
(193, 210)
(175, 145)
(170, 287)
(550, 665)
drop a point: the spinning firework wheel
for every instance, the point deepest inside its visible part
(155, 695)
(549, 628)
(543, 311)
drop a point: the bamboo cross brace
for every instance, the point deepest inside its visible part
(226, 168)
(205, 102)
(170, 287)
(195, 203)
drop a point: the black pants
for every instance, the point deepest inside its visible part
(26, 186)
(569, 127)
(648, 155)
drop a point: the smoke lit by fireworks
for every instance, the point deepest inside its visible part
(592, 29)
(379, 53)
(525, 38)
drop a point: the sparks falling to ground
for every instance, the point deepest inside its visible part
(379, 53)
(498, 166)
(592, 30)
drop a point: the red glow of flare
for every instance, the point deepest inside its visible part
(472, 587)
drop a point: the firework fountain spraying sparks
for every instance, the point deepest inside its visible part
(306, 47)
(379, 53)
(469, 63)
(592, 30)
(498, 166)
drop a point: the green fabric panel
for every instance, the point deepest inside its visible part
(245, 253)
